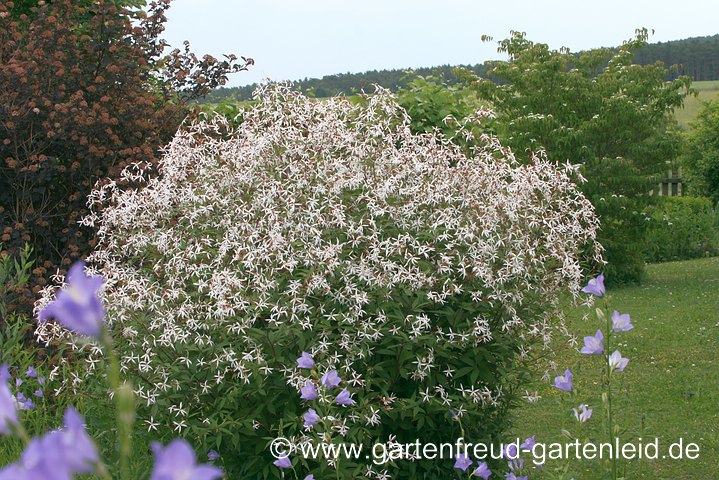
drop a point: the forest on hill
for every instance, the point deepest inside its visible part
(697, 57)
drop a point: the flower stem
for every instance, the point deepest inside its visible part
(102, 471)
(607, 349)
(124, 401)
(20, 432)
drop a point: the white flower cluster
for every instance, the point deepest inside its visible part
(306, 213)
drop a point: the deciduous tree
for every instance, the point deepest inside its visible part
(598, 109)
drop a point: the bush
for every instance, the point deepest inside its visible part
(433, 105)
(682, 228)
(85, 90)
(622, 234)
(423, 276)
(701, 153)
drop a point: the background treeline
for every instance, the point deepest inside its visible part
(696, 57)
(350, 83)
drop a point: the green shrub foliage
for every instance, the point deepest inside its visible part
(701, 154)
(682, 228)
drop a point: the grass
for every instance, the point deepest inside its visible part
(99, 414)
(707, 90)
(670, 390)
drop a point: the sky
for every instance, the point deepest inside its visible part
(296, 39)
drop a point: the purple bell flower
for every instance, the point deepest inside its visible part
(582, 413)
(311, 417)
(78, 306)
(482, 471)
(8, 410)
(309, 392)
(621, 322)
(40, 460)
(462, 461)
(528, 444)
(564, 382)
(510, 451)
(512, 476)
(80, 451)
(596, 286)
(58, 455)
(305, 361)
(330, 379)
(283, 462)
(617, 363)
(344, 398)
(594, 345)
(177, 461)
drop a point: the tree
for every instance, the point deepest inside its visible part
(701, 154)
(84, 92)
(29, 8)
(597, 109)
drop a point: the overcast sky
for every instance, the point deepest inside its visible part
(294, 39)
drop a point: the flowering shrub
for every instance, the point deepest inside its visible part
(419, 275)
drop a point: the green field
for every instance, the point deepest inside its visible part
(708, 90)
(670, 389)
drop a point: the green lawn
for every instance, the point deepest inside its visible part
(707, 90)
(670, 389)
